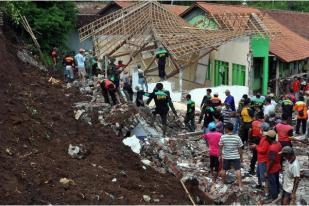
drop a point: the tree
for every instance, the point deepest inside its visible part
(51, 21)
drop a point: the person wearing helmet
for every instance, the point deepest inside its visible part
(108, 89)
(213, 139)
(163, 102)
(273, 164)
(189, 119)
(262, 150)
(80, 59)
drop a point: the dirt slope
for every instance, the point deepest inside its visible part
(36, 128)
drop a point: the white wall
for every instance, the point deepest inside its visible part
(233, 52)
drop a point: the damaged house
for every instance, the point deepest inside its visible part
(132, 34)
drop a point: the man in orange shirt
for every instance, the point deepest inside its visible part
(301, 108)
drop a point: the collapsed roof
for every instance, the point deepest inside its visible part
(143, 23)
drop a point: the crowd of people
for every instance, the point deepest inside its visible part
(254, 125)
(262, 125)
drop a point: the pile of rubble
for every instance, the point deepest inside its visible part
(185, 156)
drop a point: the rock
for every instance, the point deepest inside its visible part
(146, 162)
(26, 57)
(144, 167)
(156, 200)
(146, 198)
(78, 113)
(77, 152)
(8, 151)
(66, 182)
(114, 180)
(133, 143)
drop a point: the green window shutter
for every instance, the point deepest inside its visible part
(221, 73)
(238, 74)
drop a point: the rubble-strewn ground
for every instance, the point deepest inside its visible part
(37, 126)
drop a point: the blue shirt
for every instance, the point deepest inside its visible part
(230, 101)
(80, 59)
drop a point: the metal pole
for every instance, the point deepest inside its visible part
(105, 65)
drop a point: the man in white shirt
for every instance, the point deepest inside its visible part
(80, 59)
(291, 176)
(269, 107)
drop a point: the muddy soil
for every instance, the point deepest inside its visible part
(36, 127)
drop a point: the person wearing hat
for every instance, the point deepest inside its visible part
(213, 138)
(291, 176)
(80, 59)
(189, 118)
(229, 99)
(273, 164)
(262, 151)
(215, 100)
(163, 102)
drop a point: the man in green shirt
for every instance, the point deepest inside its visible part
(189, 118)
(161, 55)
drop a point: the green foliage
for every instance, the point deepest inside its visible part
(50, 21)
(302, 6)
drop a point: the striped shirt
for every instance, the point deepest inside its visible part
(231, 144)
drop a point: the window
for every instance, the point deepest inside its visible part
(239, 75)
(221, 73)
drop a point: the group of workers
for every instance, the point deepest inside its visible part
(227, 129)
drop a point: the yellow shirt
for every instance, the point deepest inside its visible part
(245, 115)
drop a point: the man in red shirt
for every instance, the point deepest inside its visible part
(108, 89)
(285, 132)
(255, 134)
(273, 164)
(296, 86)
(262, 151)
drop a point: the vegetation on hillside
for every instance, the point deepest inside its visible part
(51, 21)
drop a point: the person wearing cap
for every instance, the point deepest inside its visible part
(301, 108)
(108, 89)
(213, 139)
(215, 100)
(273, 164)
(255, 135)
(163, 102)
(206, 98)
(231, 152)
(287, 108)
(189, 118)
(246, 115)
(229, 99)
(262, 151)
(161, 56)
(291, 176)
(80, 59)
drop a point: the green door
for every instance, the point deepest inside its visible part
(239, 75)
(221, 73)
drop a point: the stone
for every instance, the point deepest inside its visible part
(146, 198)
(114, 180)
